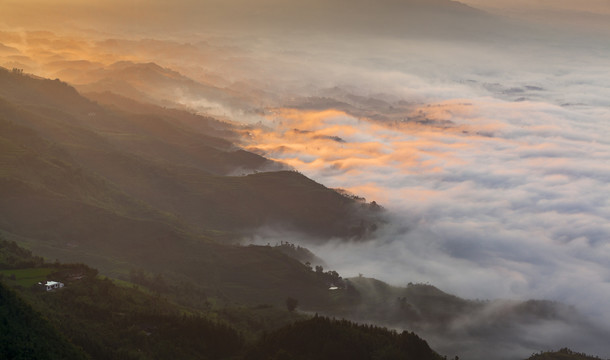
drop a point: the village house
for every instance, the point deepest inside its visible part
(52, 285)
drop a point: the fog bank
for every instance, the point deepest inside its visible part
(489, 146)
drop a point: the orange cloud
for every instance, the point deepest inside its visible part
(332, 143)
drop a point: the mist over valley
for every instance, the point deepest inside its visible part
(444, 165)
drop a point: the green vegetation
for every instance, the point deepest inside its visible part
(158, 166)
(298, 252)
(111, 322)
(26, 277)
(325, 339)
(12, 256)
(25, 334)
(147, 189)
(107, 321)
(419, 305)
(562, 354)
(144, 194)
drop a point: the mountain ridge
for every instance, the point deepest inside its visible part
(98, 195)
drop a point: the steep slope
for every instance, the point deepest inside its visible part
(26, 334)
(324, 339)
(110, 321)
(104, 320)
(82, 182)
(219, 133)
(68, 214)
(61, 115)
(471, 328)
(562, 354)
(149, 82)
(171, 166)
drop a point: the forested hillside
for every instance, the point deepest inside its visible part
(26, 334)
(325, 339)
(95, 317)
(157, 158)
(562, 354)
(158, 200)
(121, 190)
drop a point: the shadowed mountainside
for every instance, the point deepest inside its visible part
(155, 160)
(120, 190)
(152, 83)
(470, 328)
(562, 354)
(136, 189)
(26, 334)
(112, 320)
(325, 339)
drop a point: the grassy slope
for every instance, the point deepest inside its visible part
(112, 320)
(118, 320)
(111, 189)
(81, 182)
(170, 166)
(26, 334)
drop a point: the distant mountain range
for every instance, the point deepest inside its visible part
(399, 18)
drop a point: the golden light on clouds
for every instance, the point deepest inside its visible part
(492, 135)
(334, 142)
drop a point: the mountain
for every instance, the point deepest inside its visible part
(126, 190)
(446, 19)
(469, 328)
(26, 334)
(151, 83)
(95, 317)
(562, 354)
(102, 319)
(324, 339)
(163, 162)
(386, 17)
(147, 195)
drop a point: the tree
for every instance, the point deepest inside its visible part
(291, 304)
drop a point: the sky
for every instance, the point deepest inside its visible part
(141, 16)
(593, 6)
(590, 14)
(484, 135)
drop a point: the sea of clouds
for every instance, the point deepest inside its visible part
(492, 158)
(493, 164)
(495, 170)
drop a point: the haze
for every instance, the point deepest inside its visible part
(487, 137)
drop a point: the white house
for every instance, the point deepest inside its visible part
(52, 285)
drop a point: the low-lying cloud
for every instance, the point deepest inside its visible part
(497, 181)
(492, 158)
(512, 190)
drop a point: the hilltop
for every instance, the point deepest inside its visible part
(93, 317)
(122, 190)
(160, 198)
